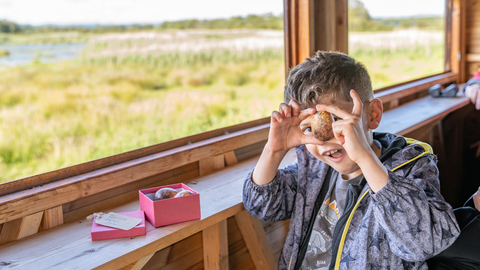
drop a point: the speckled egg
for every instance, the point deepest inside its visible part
(184, 193)
(165, 193)
(322, 126)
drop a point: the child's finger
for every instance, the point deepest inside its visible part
(337, 111)
(285, 110)
(277, 116)
(304, 114)
(357, 103)
(296, 108)
(306, 139)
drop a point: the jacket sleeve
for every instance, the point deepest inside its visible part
(273, 201)
(416, 219)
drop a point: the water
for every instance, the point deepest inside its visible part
(24, 54)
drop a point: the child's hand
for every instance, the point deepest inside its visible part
(349, 130)
(476, 199)
(285, 132)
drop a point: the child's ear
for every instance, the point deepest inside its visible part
(375, 112)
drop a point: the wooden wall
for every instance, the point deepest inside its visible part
(472, 37)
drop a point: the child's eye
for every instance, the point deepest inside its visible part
(307, 130)
(336, 118)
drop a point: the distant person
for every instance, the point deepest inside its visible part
(358, 200)
(471, 138)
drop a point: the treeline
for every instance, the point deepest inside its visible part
(359, 20)
(9, 27)
(267, 21)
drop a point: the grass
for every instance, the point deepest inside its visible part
(61, 114)
(54, 115)
(390, 66)
(4, 52)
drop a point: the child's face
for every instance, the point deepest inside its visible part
(339, 159)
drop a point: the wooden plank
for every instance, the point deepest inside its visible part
(167, 177)
(211, 164)
(52, 218)
(409, 117)
(49, 177)
(406, 89)
(250, 151)
(70, 245)
(230, 158)
(215, 246)
(139, 264)
(30, 201)
(30, 225)
(256, 241)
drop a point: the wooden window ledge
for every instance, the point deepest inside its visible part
(70, 246)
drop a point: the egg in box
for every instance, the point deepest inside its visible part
(169, 204)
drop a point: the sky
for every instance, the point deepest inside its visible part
(64, 12)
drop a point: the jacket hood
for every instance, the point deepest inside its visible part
(400, 150)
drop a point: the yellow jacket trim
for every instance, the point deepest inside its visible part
(344, 234)
(428, 150)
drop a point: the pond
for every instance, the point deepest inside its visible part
(24, 54)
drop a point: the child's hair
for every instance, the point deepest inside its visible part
(327, 75)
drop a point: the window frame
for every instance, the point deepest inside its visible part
(300, 40)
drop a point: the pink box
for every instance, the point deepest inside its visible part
(100, 232)
(169, 211)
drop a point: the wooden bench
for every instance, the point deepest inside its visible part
(69, 246)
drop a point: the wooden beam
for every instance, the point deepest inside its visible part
(406, 89)
(49, 177)
(215, 246)
(305, 31)
(473, 57)
(341, 26)
(256, 241)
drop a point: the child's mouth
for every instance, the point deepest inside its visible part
(335, 155)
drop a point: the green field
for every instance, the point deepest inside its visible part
(60, 114)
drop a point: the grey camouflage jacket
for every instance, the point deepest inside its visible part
(399, 227)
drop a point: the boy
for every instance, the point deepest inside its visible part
(361, 200)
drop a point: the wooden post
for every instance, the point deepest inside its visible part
(458, 52)
(52, 218)
(215, 246)
(256, 241)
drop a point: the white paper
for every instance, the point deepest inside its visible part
(118, 221)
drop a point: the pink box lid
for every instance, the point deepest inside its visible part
(100, 232)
